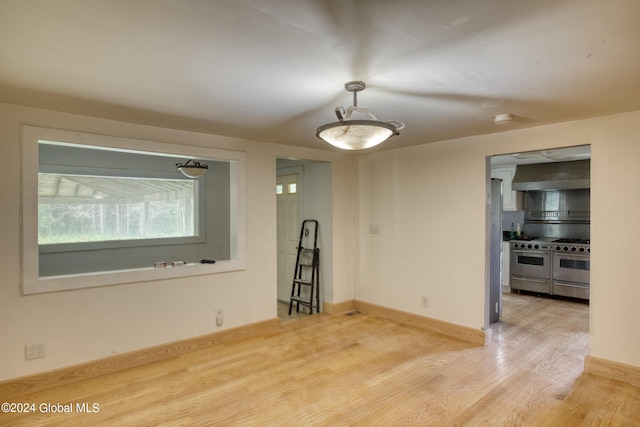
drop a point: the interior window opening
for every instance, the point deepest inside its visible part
(91, 203)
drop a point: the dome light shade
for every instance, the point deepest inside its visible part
(357, 134)
(502, 119)
(192, 168)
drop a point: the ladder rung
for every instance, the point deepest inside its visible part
(301, 301)
(303, 282)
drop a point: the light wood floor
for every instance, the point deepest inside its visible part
(283, 312)
(358, 370)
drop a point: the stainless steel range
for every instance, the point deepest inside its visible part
(531, 266)
(554, 267)
(557, 202)
(571, 268)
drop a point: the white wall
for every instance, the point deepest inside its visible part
(615, 232)
(316, 202)
(83, 325)
(429, 203)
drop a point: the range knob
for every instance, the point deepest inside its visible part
(529, 246)
(535, 246)
(558, 248)
(581, 249)
(565, 248)
(573, 249)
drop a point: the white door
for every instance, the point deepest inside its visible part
(288, 232)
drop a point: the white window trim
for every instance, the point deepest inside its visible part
(33, 284)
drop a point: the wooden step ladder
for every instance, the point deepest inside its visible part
(305, 290)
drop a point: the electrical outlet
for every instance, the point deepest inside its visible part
(425, 302)
(219, 317)
(34, 351)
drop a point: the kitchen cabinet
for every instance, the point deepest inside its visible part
(511, 200)
(506, 259)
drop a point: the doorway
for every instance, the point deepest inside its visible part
(312, 194)
(504, 167)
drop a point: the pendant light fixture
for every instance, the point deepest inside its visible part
(192, 168)
(351, 134)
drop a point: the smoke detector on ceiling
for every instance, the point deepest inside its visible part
(502, 119)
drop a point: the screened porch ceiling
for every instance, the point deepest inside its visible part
(57, 188)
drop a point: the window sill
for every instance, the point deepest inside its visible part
(108, 278)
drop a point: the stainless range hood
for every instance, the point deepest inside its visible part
(552, 176)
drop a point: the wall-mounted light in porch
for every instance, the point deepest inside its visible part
(192, 168)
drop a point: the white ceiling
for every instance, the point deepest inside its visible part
(274, 70)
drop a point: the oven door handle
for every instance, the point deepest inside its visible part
(530, 252)
(572, 255)
(530, 279)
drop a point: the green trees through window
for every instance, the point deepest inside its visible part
(79, 208)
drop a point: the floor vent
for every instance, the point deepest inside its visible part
(352, 313)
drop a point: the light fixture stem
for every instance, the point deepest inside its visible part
(355, 98)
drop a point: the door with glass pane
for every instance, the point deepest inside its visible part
(288, 232)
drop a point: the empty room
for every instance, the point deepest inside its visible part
(319, 212)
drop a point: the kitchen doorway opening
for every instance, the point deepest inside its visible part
(303, 191)
(559, 245)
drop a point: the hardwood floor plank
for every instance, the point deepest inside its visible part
(362, 370)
